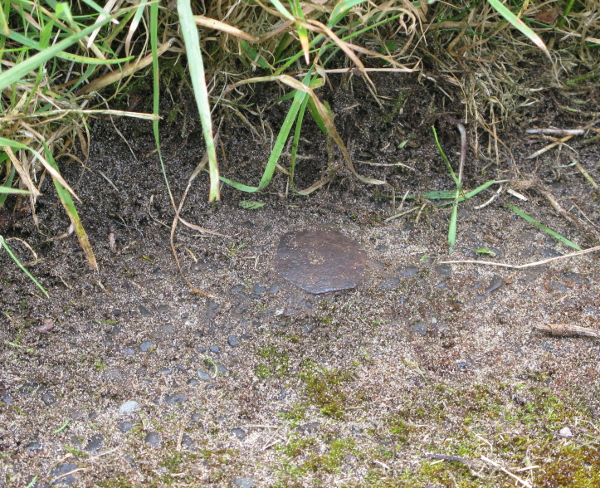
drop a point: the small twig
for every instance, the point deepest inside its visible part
(401, 214)
(504, 470)
(529, 265)
(557, 132)
(564, 330)
(455, 459)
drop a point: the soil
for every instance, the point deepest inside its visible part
(426, 374)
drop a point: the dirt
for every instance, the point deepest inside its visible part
(426, 374)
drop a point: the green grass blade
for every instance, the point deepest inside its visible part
(518, 24)
(445, 158)
(548, 231)
(7, 189)
(340, 11)
(67, 201)
(156, 92)
(189, 31)
(23, 268)
(296, 140)
(30, 64)
(452, 227)
(282, 137)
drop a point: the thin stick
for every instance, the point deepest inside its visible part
(564, 330)
(529, 265)
(501, 468)
(557, 132)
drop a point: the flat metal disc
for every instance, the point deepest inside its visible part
(320, 261)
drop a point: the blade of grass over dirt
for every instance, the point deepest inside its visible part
(7, 143)
(452, 227)
(23, 268)
(519, 24)
(156, 93)
(282, 137)
(67, 201)
(191, 39)
(30, 64)
(541, 226)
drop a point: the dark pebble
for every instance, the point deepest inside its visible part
(62, 470)
(125, 426)
(49, 399)
(187, 441)
(192, 382)
(233, 341)
(203, 375)
(236, 288)
(309, 428)
(162, 308)
(153, 438)
(175, 398)
(442, 285)
(201, 349)
(259, 289)
(389, 284)
(496, 283)
(165, 370)
(34, 445)
(556, 286)
(443, 270)
(419, 329)
(144, 312)
(273, 290)
(221, 369)
(146, 345)
(95, 443)
(5, 397)
(282, 394)
(548, 252)
(408, 271)
(239, 433)
(128, 351)
(243, 483)
(214, 349)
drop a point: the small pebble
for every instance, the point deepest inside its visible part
(309, 428)
(129, 407)
(152, 438)
(63, 469)
(233, 341)
(165, 370)
(125, 426)
(419, 329)
(389, 284)
(408, 271)
(95, 443)
(175, 398)
(239, 433)
(34, 445)
(203, 375)
(214, 349)
(144, 312)
(146, 346)
(49, 399)
(243, 483)
(496, 283)
(565, 432)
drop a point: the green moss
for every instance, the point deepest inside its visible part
(172, 461)
(274, 364)
(323, 388)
